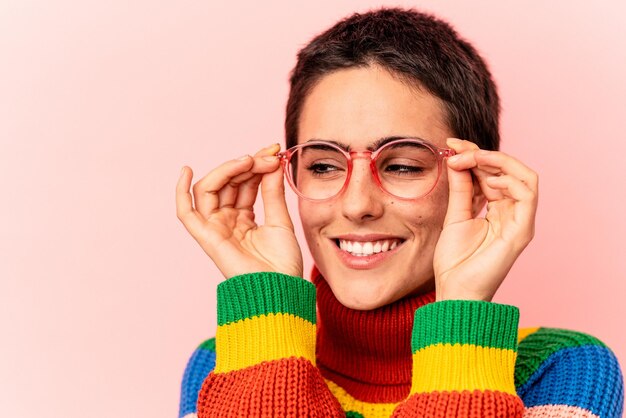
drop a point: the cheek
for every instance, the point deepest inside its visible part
(430, 211)
(440, 202)
(313, 216)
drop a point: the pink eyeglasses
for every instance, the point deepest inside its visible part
(406, 168)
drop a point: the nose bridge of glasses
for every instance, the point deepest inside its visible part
(366, 155)
(363, 155)
(367, 170)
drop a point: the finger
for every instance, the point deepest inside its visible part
(228, 195)
(184, 204)
(205, 191)
(274, 203)
(485, 164)
(460, 198)
(248, 192)
(464, 157)
(508, 165)
(267, 151)
(467, 161)
(461, 145)
(519, 191)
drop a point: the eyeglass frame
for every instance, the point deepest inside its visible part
(440, 154)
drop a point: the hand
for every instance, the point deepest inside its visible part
(222, 221)
(474, 255)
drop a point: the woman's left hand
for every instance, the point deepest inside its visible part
(474, 255)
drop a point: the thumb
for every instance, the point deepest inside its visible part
(460, 199)
(274, 203)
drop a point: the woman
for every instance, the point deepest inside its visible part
(405, 270)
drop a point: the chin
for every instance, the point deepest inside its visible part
(364, 296)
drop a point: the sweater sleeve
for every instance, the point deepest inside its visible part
(265, 351)
(565, 373)
(464, 356)
(199, 365)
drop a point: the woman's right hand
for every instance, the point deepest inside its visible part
(222, 221)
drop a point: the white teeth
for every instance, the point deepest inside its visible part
(357, 248)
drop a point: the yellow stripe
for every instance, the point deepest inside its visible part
(263, 338)
(445, 367)
(525, 332)
(367, 409)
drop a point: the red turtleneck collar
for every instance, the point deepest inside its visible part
(367, 353)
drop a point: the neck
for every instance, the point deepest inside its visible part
(367, 353)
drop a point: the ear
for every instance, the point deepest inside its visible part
(478, 199)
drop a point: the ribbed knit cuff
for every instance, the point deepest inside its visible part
(474, 322)
(255, 294)
(263, 317)
(464, 345)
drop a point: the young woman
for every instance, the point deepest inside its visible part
(405, 270)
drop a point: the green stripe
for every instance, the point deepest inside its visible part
(255, 294)
(538, 346)
(480, 323)
(208, 345)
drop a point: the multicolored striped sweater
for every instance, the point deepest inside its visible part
(274, 354)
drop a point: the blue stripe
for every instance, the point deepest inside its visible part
(202, 361)
(587, 376)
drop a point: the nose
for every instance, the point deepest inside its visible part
(362, 199)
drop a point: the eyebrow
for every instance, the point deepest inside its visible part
(372, 147)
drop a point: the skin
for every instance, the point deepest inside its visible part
(356, 107)
(446, 246)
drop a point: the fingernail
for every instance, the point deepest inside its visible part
(454, 140)
(182, 171)
(270, 158)
(243, 157)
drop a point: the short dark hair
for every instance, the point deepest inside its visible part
(418, 48)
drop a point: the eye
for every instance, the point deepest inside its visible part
(320, 169)
(403, 169)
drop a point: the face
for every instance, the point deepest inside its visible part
(356, 107)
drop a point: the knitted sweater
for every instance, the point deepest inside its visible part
(275, 355)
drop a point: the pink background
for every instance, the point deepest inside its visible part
(104, 295)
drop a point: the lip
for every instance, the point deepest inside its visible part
(367, 261)
(366, 237)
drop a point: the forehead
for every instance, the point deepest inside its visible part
(359, 106)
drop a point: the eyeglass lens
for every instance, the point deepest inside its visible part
(405, 169)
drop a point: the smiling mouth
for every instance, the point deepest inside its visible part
(365, 248)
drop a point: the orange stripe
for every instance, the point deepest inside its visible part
(290, 387)
(464, 404)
